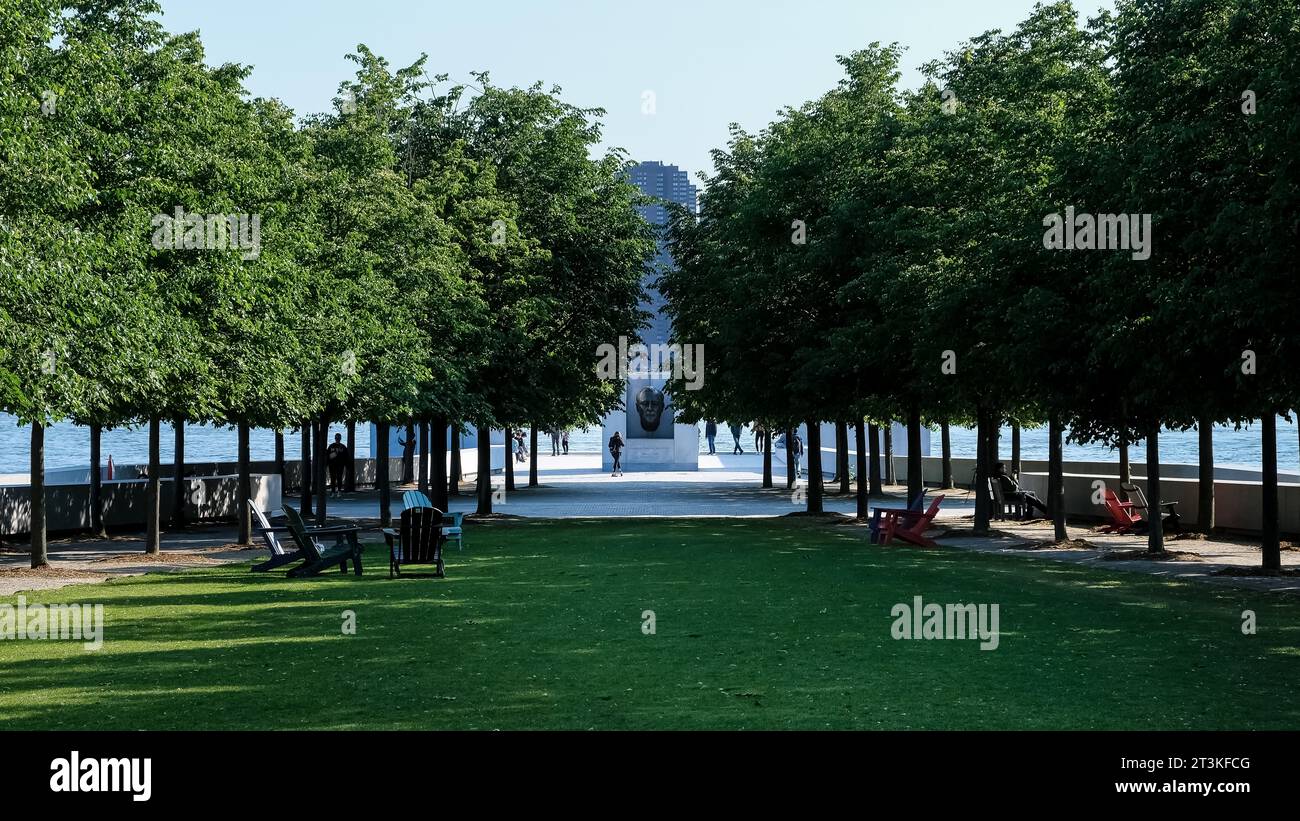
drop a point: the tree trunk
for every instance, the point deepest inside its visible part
(1156, 529)
(532, 457)
(995, 440)
(767, 457)
(510, 459)
(178, 476)
(814, 467)
(860, 441)
(423, 470)
(1272, 548)
(381, 476)
(790, 477)
(888, 429)
(981, 489)
(915, 477)
(991, 449)
(350, 466)
(842, 456)
(1015, 449)
(1056, 477)
(40, 543)
(242, 512)
(453, 481)
(305, 472)
(873, 469)
(321, 479)
(485, 470)
(438, 463)
(1125, 467)
(279, 459)
(153, 494)
(96, 484)
(408, 455)
(1205, 476)
(946, 439)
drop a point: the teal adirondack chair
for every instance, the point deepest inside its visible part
(452, 523)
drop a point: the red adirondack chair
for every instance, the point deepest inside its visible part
(911, 528)
(1123, 516)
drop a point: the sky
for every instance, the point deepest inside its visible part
(707, 63)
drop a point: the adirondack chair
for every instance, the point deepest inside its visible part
(1139, 501)
(318, 557)
(418, 541)
(911, 528)
(415, 498)
(1002, 505)
(915, 507)
(279, 556)
(452, 528)
(1123, 518)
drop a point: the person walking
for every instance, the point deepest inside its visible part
(760, 438)
(735, 438)
(564, 441)
(798, 455)
(711, 433)
(616, 450)
(337, 457)
(555, 442)
(521, 447)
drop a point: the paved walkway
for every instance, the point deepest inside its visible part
(574, 487)
(1206, 560)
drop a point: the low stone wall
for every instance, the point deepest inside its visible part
(67, 507)
(367, 470)
(1237, 491)
(1237, 505)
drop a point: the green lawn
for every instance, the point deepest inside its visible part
(760, 624)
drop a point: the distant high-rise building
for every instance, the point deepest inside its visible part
(655, 440)
(667, 182)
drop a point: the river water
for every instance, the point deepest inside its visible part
(68, 445)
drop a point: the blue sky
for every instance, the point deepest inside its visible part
(707, 62)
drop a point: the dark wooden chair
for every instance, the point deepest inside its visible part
(1138, 501)
(1004, 505)
(418, 540)
(279, 555)
(318, 556)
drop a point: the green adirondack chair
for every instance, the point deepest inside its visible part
(319, 557)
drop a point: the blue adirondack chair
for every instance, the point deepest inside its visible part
(415, 498)
(452, 529)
